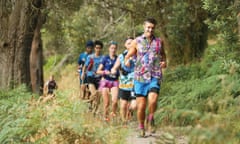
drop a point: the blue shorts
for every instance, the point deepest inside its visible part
(142, 89)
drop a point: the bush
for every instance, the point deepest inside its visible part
(204, 96)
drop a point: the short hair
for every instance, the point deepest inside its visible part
(151, 20)
(113, 43)
(129, 38)
(98, 42)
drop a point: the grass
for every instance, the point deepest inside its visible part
(64, 119)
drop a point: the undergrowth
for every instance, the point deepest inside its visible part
(204, 96)
(64, 119)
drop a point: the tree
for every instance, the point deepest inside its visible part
(36, 55)
(181, 25)
(183, 28)
(17, 25)
(224, 21)
(21, 57)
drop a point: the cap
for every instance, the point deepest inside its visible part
(89, 44)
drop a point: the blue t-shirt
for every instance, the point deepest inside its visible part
(126, 80)
(81, 60)
(92, 64)
(108, 63)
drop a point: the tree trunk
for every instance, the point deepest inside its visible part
(238, 18)
(36, 59)
(17, 23)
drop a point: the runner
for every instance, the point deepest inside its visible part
(90, 68)
(50, 86)
(81, 60)
(127, 98)
(150, 60)
(109, 82)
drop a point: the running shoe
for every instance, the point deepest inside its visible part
(151, 126)
(106, 119)
(112, 114)
(141, 133)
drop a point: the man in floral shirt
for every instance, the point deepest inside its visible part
(150, 60)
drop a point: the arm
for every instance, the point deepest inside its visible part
(84, 68)
(83, 72)
(116, 66)
(131, 52)
(99, 70)
(80, 62)
(163, 62)
(45, 89)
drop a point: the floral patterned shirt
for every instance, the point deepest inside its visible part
(148, 59)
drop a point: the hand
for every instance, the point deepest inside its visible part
(163, 64)
(107, 72)
(79, 66)
(113, 71)
(127, 62)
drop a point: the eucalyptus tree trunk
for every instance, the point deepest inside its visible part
(36, 58)
(238, 18)
(17, 25)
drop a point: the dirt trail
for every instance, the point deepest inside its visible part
(160, 137)
(133, 139)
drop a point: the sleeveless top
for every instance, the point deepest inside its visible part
(148, 59)
(126, 80)
(108, 63)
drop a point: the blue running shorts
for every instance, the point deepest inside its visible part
(142, 89)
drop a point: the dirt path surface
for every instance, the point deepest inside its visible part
(133, 139)
(160, 137)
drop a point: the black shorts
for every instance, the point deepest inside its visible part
(94, 81)
(83, 81)
(126, 95)
(155, 90)
(50, 91)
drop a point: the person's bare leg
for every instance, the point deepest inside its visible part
(152, 106)
(82, 91)
(96, 102)
(105, 95)
(114, 93)
(93, 91)
(133, 104)
(92, 96)
(123, 109)
(141, 107)
(132, 107)
(152, 102)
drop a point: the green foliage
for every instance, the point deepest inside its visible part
(15, 124)
(51, 62)
(182, 26)
(54, 29)
(60, 120)
(204, 95)
(223, 21)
